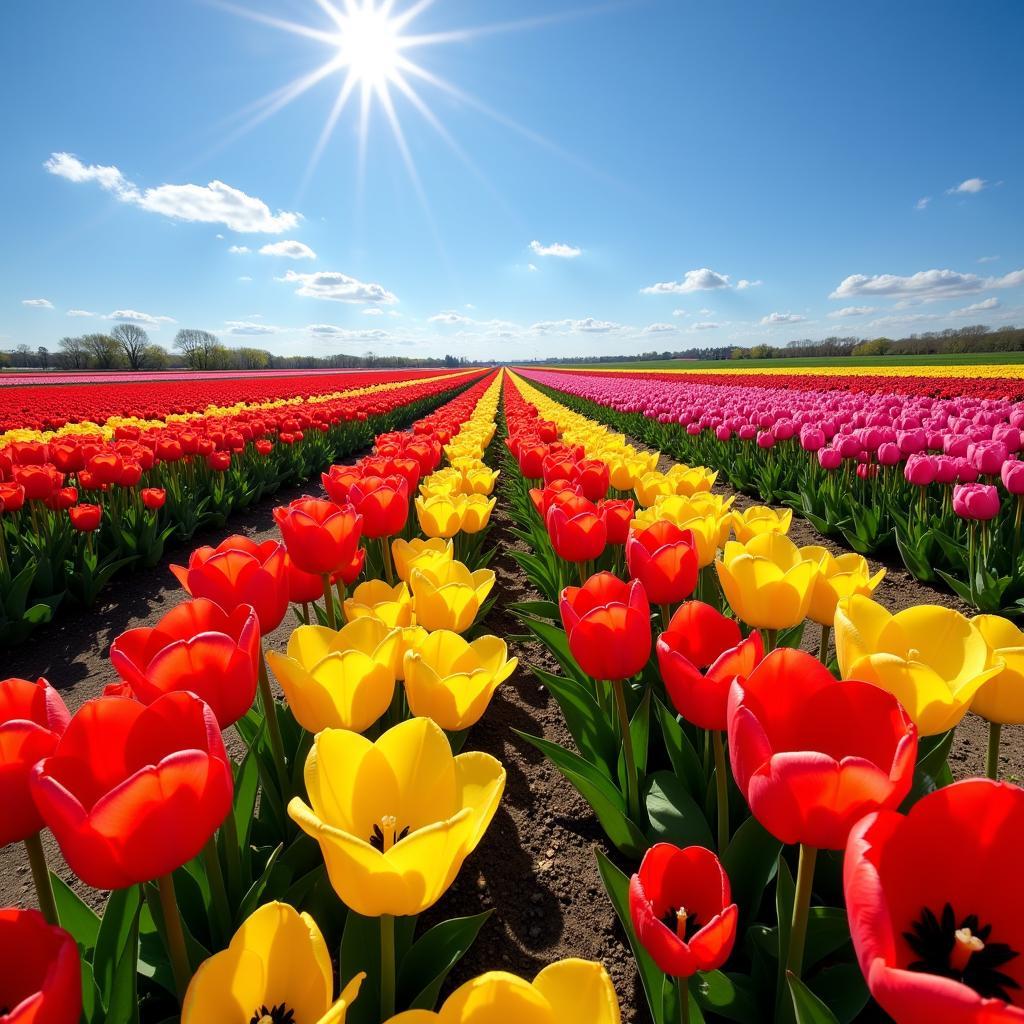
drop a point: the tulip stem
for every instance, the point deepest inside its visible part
(41, 877)
(995, 730)
(218, 891)
(722, 788)
(332, 621)
(801, 908)
(273, 728)
(771, 640)
(683, 993)
(666, 617)
(387, 967)
(174, 935)
(229, 828)
(632, 783)
(385, 558)
(826, 635)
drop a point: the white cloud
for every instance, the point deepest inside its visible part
(852, 311)
(705, 312)
(559, 249)
(531, 268)
(704, 325)
(680, 312)
(968, 187)
(239, 250)
(345, 334)
(743, 284)
(291, 249)
(977, 307)
(133, 316)
(214, 203)
(450, 317)
(245, 279)
(337, 287)
(37, 303)
(963, 313)
(924, 286)
(247, 327)
(987, 259)
(373, 311)
(701, 280)
(922, 203)
(659, 328)
(782, 318)
(588, 325)
(79, 312)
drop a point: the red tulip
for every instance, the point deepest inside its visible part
(321, 537)
(618, 514)
(219, 462)
(41, 977)
(593, 476)
(353, 570)
(663, 558)
(682, 909)
(337, 481)
(383, 502)
(85, 518)
(13, 497)
(39, 482)
(196, 647)
(813, 755)
(32, 719)
(608, 624)
(935, 907)
(153, 497)
(577, 530)
(240, 572)
(63, 499)
(133, 792)
(699, 655)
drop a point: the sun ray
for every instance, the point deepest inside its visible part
(307, 31)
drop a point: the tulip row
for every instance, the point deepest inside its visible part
(238, 868)
(76, 509)
(935, 482)
(785, 811)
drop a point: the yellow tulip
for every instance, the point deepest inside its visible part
(377, 600)
(276, 962)
(706, 529)
(439, 515)
(651, 486)
(441, 482)
(419, 554)
(933, 659)
(566, 992)
(692, 480)
(840, 576)
(758, 519)
(767, 582)
(339, 680)
(450, 596)
(395, 819)
(626, 470)
(476, 512)
(452, 681)
(410, 639)
(479, 480)
(1001, 699)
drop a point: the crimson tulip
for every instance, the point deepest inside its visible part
(682, 911)
(664, 559)
(813, 755)
(321, 537)
(618, 514)
(41, 977)
(85, 518)
(198, 647)
(383, 502)
(32, 720)
(699, 656)
(153, 497)
(608, 624)
(593, 477)
(240, 572)
(337, 481)
(13, 497)
(577, 530)
(936, 908)
(132, 791)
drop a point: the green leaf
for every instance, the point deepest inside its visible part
(617, 886)
(75, 917)
(92, 1007)
(607, 801)
(252, 898)
(785, 894)
(750, 861)
(725, 996)
(435, 953)
(640, 731)
(809, 1009)
(674, 815)
(842, 988)
(555, 639)
(686, 763)
(117, 926)
(585, 718)
(828, 929)
(360, 951)
(123, 1000)
(538, 609)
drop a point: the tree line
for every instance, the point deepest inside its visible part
(128, 347)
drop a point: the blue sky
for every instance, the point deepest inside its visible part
(592, 178)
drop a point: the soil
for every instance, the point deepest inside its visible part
(536, 866)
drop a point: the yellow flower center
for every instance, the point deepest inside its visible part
(681, 917)
(966, 945)
(386, 833)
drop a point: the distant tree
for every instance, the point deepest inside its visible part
(23, 356)
(200, 348)
(154, 357)
(43, 357)
(73, 353)
(874, 347)
(103, 350)
(133, 341)
(249, 358)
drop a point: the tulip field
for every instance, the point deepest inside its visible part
(328, 781)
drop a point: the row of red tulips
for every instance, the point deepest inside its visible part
(143, 798)
(801, 845)
(76, 509)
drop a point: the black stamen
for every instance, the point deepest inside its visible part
(933, 940)
(671, 921)
(279, 1014)
(377, 839)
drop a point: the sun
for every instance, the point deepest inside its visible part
(369, 45)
